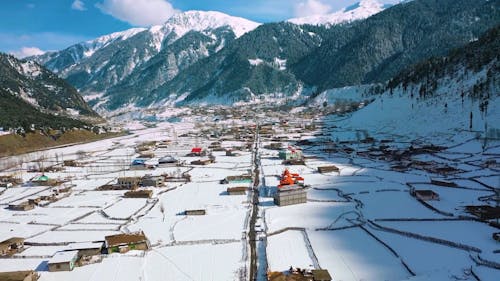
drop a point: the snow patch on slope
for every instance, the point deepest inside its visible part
(92, 46)
(361, 10)
(444, 113)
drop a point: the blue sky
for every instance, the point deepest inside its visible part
(28, 26)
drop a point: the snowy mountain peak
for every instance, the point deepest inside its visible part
(93, 45)
(182, 23)
(360, 10)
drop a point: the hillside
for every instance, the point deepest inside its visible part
(30, 94)
(120, 58)
(378, 48)
(455, 95)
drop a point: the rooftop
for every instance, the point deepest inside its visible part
(120, 239)
(61, 257)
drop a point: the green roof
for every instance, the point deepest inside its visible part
(42, 178)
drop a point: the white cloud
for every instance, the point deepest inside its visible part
(27, 52)
(311, 8)
(78, 5)
(138, 12)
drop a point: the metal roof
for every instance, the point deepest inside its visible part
(61, 257)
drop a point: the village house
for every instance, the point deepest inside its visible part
(425, 195)
(21, 206)
(12, 245)
(195, 212)
(43, 180)
(29, 275)
(129, 182)
(167, 161)
(138, 164)
(86, 249)
(197, 151)
(328, 169)
(63, 261)
(201, 162)
(139, 194)
(290, 154)
(122, 243)
(149, 180)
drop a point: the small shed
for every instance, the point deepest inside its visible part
(150, 180)
(22, 206)
(139, 194)
(321, 275)
(167, 161)
(443, 183)
(86, 249)
(328, 169)
(239, 190)
(289, 154)
(426, 195)
(122, 243)
(195, 212)
(201, 162)
(14, 244)
(29, 275)
(197, 151)
(63, 261)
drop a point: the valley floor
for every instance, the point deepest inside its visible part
(360, 223)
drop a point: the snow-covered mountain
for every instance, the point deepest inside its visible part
(358, 11)
(99, 64)
(39, 87)
(437, 98)
(31, 95)
(182, 23)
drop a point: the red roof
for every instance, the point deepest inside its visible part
(196, 150)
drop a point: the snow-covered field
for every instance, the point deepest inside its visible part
(361, 223)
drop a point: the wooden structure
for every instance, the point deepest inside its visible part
(197, 151)
(294, 162)
(201, 162)
(22, 206)
(289, 154)
(425, 195)
(328, 169)
(240, 190)
(129, 182)
(485, 212)
(11, 246)
(139, 194)
(285, 197)
(122, 243)
(167, 161)
(71, 163)
(195, 212)
(29, 275)
(443, 183)
(155, 181)
(63, 261)
(86, 249)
